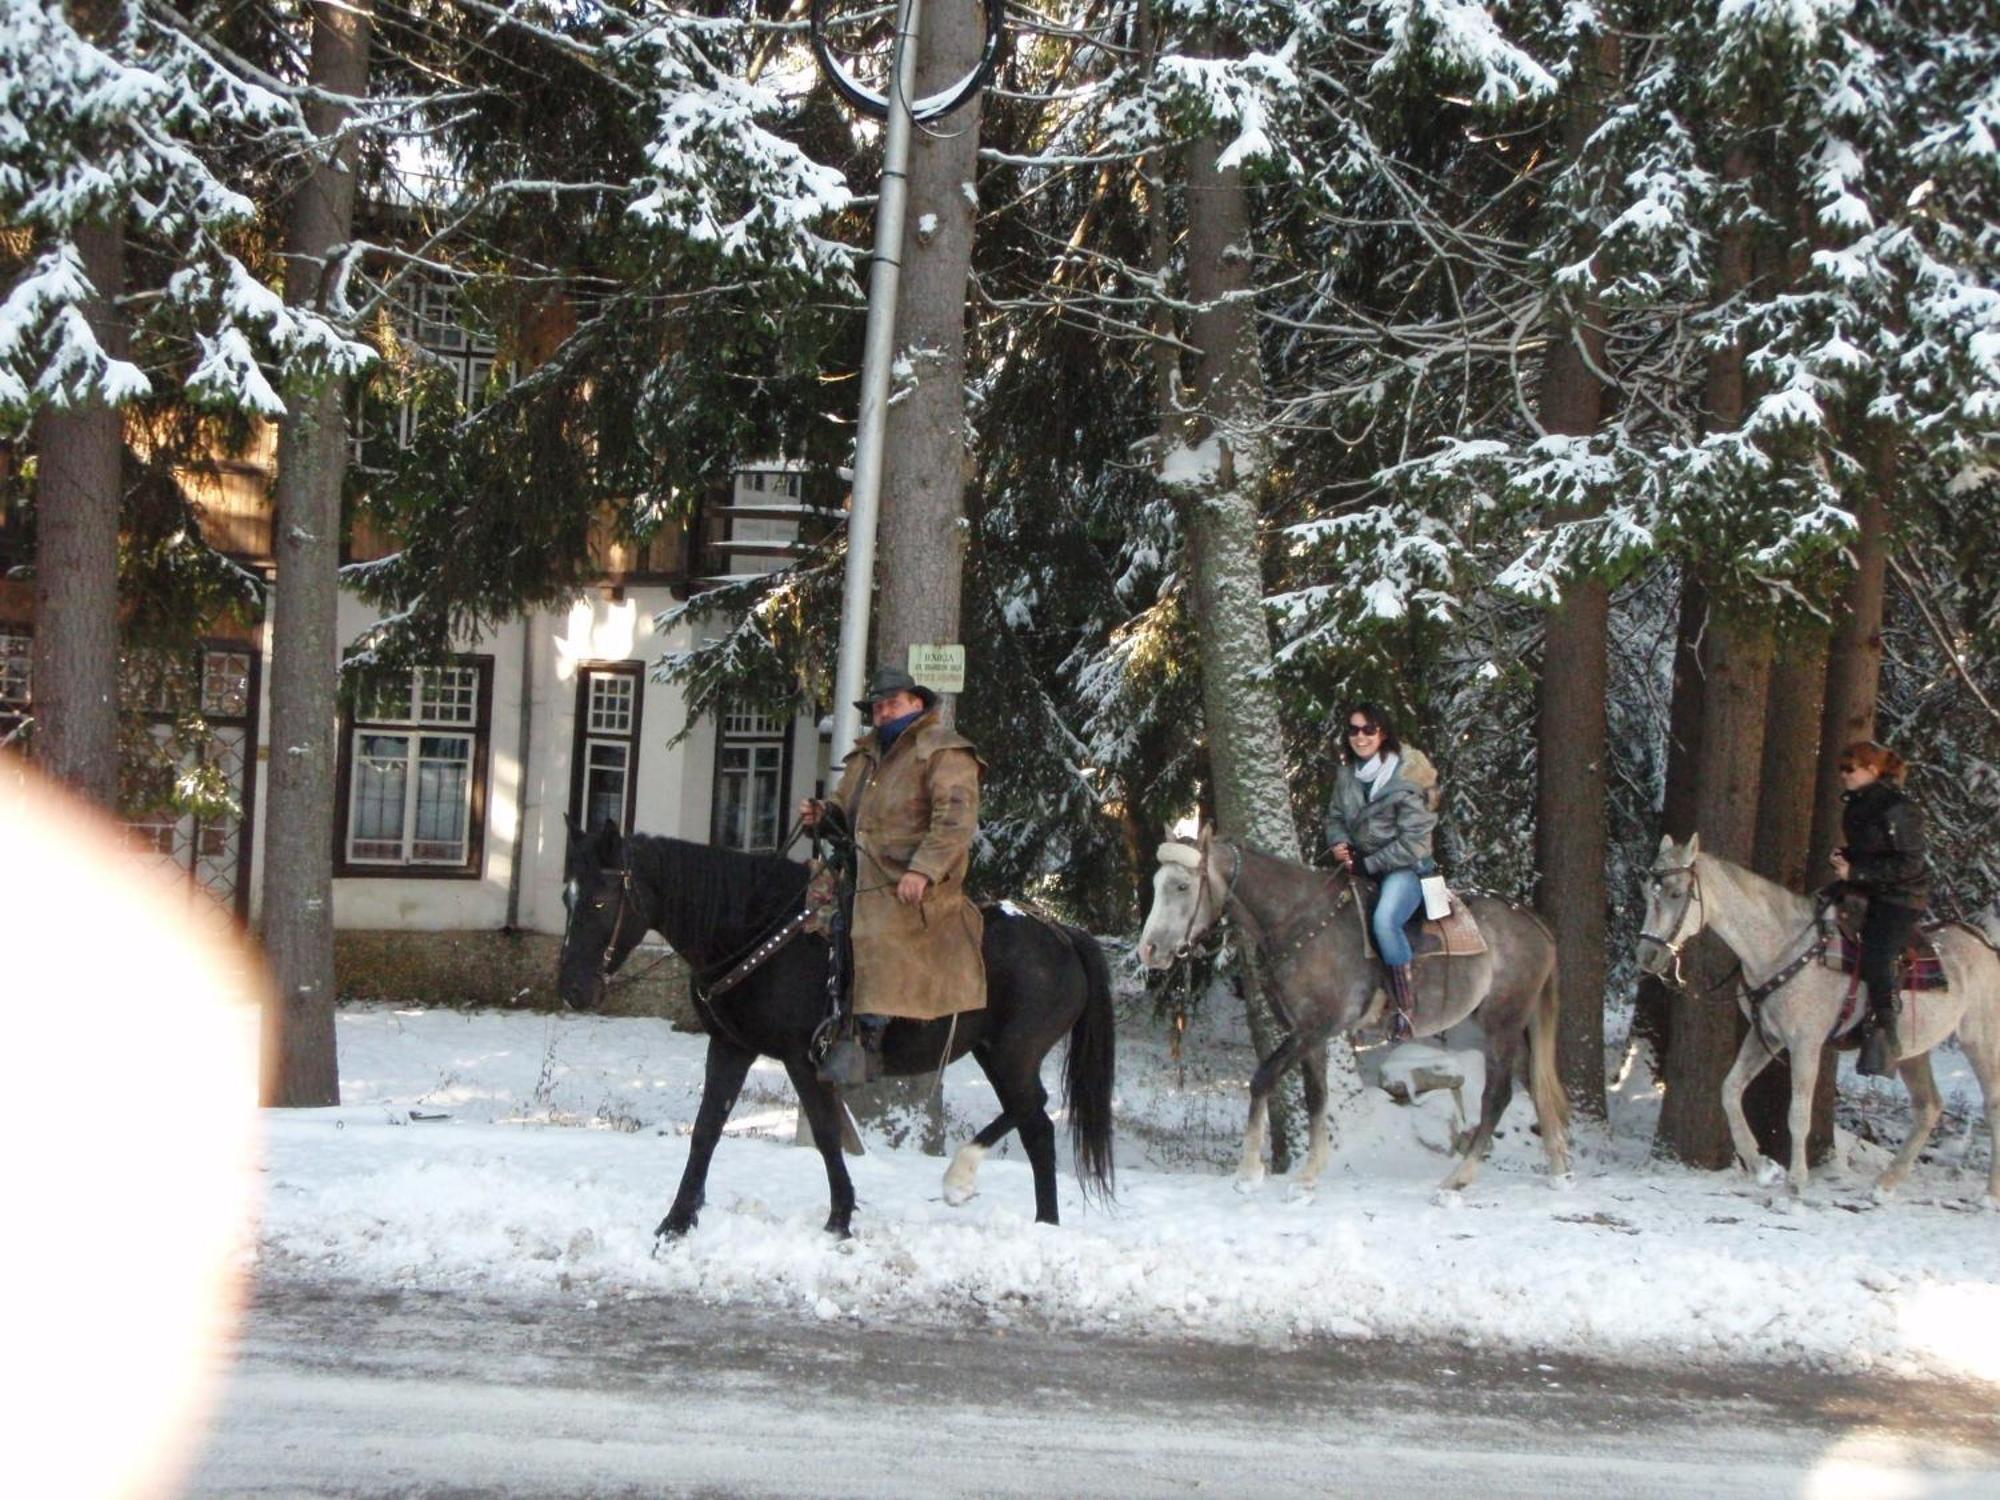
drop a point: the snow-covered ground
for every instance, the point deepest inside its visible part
(536, 1153)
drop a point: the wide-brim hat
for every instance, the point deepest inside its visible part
(889, 681)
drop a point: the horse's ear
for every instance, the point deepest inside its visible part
(607, 845)
(1694, 846)
(1666, 844)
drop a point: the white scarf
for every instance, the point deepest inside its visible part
(1376, 772)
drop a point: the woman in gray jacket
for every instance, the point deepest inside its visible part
(1379, 823)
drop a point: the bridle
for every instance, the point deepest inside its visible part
(1187, 943)
(606, 965)
(1695, 901)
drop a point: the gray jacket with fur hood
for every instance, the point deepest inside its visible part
(1392, 829)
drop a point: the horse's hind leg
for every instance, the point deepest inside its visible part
(821, 1102)
(726, 1068)
(1925, 1106)
(1979, 1036)
(1024, 1108)
(961, 1177)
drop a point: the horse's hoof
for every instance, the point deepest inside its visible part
(673, 1227)
(1770, 1174)
(1447, 1195)
(1990, 1203)
(838, 1227)
(958, 1194)
(1248, 1185)
(1563, 1181)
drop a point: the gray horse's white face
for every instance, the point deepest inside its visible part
(1183, 905)
(1674, 912)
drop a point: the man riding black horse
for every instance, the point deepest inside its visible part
(910, 790)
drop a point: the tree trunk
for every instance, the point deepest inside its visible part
(300, 1064)
(79, 491)
(77, 499)
(1223, 456)
(922, 537)
(1783, 846)
(1707, 1025)
(1572, 792)
(1735, 662)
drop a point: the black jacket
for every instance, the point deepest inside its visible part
(1885, 845)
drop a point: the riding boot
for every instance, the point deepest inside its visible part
(1879, 1049)
(1401, 981)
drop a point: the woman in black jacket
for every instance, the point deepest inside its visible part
(1883, 861)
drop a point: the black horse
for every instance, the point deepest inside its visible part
(716, 906)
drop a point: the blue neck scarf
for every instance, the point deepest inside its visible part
(887, 734)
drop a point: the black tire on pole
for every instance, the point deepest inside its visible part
(876, 106)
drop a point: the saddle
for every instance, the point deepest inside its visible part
(1454, 935)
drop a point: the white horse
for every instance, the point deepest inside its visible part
(1774, 933)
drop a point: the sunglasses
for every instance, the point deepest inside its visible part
(1360, 731)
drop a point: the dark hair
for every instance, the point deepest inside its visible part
(1377, 715)
(1884, 762)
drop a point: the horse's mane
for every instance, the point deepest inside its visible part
(1755, 886)
(724, 895)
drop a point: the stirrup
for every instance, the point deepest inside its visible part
(845, 1065)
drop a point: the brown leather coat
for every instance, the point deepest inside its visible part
(918, 809)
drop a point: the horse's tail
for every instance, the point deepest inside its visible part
(1088, 1068)
(1544, 1077)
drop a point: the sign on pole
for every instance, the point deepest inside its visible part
(940, 668)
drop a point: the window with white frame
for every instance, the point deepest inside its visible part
(415, 772)
(445, 334)
(605, 779)
(444, 330)
(749, 781)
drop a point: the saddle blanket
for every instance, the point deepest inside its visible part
(1455, 935)
(1918, 969)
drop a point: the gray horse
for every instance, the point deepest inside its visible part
(1306, 928)
(1774, 932)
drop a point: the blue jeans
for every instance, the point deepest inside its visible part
(1401, 895)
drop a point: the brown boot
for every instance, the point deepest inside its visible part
(1402, 980)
